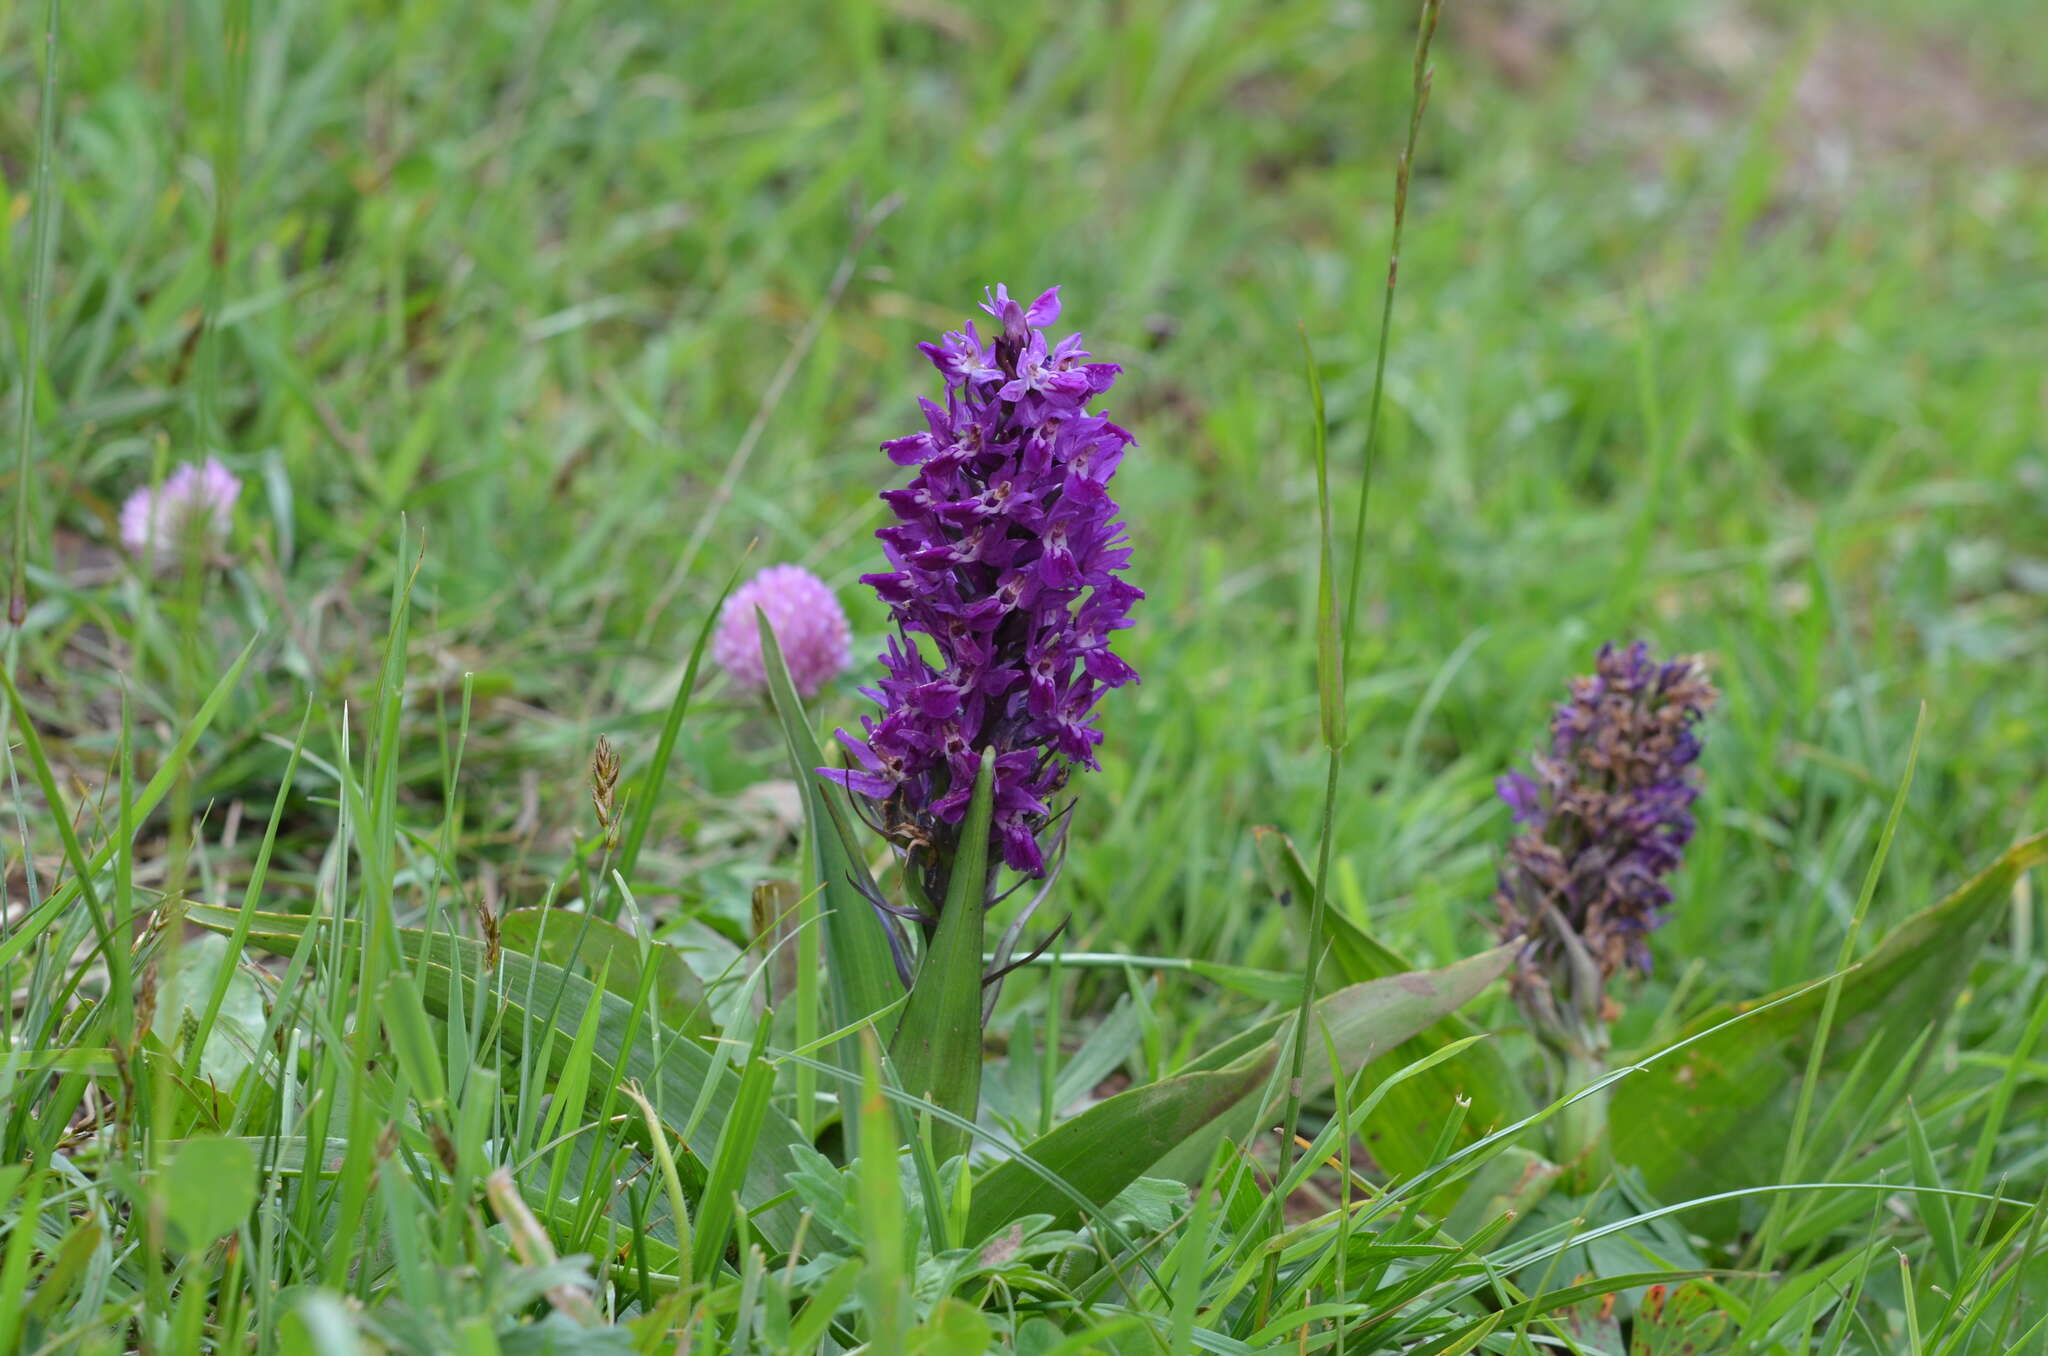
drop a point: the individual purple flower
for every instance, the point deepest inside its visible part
(1005, 584)
(191, 511)
(808, 622)
(1606, 816)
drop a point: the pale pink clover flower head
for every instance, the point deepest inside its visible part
(809, 625)
(195, 504)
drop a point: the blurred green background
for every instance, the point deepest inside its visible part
(1719, 324)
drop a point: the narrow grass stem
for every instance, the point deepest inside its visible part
(1297, 1059)
(1336, 649)
(1425, 30)
(41, 235)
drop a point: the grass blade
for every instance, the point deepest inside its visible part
(640, 814)
(42, 244)
(676, 1073)
(738, 1143)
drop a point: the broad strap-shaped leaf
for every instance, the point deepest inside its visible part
(523, 992)
(1365, 1022)
(1402, 1133)
(1716, 1118)
(1171, 1128)
(860, 970)
(560, 937)
(937, 1050)
(1111, 1145)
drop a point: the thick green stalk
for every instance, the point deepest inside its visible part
(1580, 1135)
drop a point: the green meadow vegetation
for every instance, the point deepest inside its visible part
(414, 941)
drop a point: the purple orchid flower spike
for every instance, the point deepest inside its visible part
(1602, 823)
(1005, 585)
(1606, 816)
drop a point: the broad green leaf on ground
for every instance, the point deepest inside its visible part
(182, 997)
(1676, 1322)
(1716, 1118)
(1403, 1132)
(524, 991)
(1171, 1128)
(859, 969)
(596, 946)
(208, 1187)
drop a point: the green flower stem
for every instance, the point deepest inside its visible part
(1581, 1143)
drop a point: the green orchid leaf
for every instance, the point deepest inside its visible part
(591, 946)
(1403, 1131)
(937, 1050)
(1717, 1118)
(860, 971)
(1172, 1128)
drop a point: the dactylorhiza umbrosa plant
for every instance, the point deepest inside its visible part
(185, 518)
(1603, 822)
(1005, 587)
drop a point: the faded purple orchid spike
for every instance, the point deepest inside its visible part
(192, 510)
(1005, 585)
(1606, 816)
